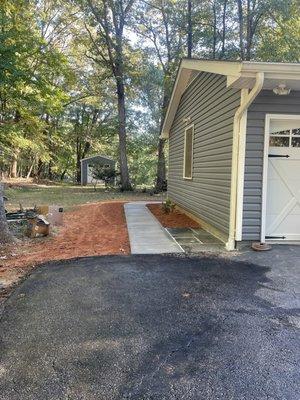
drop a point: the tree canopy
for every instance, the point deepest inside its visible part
(82, 77)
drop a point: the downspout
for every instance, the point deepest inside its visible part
(259, 81)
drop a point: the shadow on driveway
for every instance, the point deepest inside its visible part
(151, 327)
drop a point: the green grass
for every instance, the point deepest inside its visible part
(66, 196)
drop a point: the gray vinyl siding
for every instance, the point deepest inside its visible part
(266, 103)
(211, 107)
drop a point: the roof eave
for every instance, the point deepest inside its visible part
(186, 67)
(240, 74)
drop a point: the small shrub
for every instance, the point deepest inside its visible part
(168, 206)
(107, 174)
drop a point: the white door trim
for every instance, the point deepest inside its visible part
(268, 119)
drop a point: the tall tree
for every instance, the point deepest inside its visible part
(189, 29)
(32, 76)
(62, 61)
(251, 17)
(224, 29)
(108, 20)
(279, 37)
(161, 25)
(28, 89)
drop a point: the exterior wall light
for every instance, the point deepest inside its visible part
(187, 120)
(282, 90)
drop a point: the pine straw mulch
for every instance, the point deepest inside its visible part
(89, 230)
(175, 219)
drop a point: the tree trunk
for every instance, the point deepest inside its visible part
(14, 164)
(5, 235)
(125, 181)
(190, 30)
(248, 31)
(78, 169)
(241, 28)
(30, 170)
(223, 29)
(50, 174)
(214, 32)
(40, 167)
(161, 161)
(161, 167)
(80, 154)
(62, 176)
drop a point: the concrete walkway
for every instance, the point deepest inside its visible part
(146, 234)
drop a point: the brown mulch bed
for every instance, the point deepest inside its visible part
(89, 230)
(175, 219)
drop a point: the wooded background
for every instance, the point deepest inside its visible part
(84, 77)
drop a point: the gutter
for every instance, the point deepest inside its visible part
(245, 103)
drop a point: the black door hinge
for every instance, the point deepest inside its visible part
(278, 156)
(275, 237)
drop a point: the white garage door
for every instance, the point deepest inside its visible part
(283, 190)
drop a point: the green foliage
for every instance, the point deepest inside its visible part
(32, 78)
(279, 36)
(168, 206)
(57, 90)
(104, 173)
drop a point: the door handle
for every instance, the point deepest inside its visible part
(278, 156)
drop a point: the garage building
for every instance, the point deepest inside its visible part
(234, 148)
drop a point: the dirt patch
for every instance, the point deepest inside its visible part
(89, 230)
(175, 219)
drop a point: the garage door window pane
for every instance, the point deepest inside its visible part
(285, 133)
(188, 153)
(296, 142)
(279, 141)
(296, 131)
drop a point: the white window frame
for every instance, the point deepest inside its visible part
(184, 152)
(268, 119)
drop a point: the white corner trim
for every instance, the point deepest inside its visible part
(265, 179)
(230, 245)
(241, 169)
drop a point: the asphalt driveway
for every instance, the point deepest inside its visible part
(155, 328)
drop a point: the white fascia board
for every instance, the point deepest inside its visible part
(272, 71)
(247, 80)
(280, 68)
(214, 67)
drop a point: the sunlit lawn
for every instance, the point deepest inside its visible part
(66, 196)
